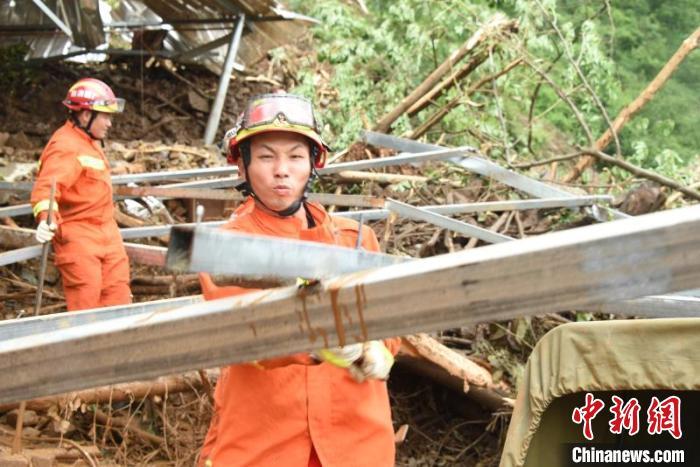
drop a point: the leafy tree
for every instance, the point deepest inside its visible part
(377, 59)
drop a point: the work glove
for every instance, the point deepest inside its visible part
(375, 363)
(45, 232)
(342, 357)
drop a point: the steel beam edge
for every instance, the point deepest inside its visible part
(16, 328)
(602, 263)
(486, 168)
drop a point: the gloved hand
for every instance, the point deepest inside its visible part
(45, 232)
(375, 363)
(342, 357)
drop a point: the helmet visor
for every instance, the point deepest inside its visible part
(109, 106)
(282, 109)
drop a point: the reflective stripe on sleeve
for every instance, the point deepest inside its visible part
(43, 205)
(91, 162)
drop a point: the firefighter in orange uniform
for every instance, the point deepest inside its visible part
(88, 248)
(305, 409)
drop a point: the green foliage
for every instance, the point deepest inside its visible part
(376, 60)
(641, 36)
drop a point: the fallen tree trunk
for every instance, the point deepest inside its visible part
(640, 172)
(448, 82)
(487, 398)
(636, 105)
(496, 24)
(450, 360)
(438, 115)
(120, 392)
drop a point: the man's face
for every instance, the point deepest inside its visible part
(279, 168)
(101, 124)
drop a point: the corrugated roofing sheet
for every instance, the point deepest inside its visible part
(194, 23)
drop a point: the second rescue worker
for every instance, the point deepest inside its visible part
(305, 409)
(88, 248)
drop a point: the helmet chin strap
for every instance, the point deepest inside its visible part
(86, 128)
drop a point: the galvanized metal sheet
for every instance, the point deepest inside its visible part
(216, 251)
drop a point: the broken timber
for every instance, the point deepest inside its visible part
(651, 254)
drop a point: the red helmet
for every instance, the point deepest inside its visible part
(92, 94)
(276, 112)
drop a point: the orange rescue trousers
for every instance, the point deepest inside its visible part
(93, 264)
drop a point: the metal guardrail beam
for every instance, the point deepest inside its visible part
(202, 249)
(15, 328)
(466, 208)
(651, 254)
(173, 174)
(20, 254)
(413, 158)
(415, 213)
(145, 177)
(482, 167)
(432, 154)
(179, 193)
(658, 306)
(18, 210)
(218, 105)
(16, 186)
(160, 230)
(57, 21)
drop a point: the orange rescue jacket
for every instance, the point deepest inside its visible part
(81, 171)
(272, 412)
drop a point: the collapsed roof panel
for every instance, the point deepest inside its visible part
(189, 31)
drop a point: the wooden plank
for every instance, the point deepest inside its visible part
(146, 254)
(621, 260)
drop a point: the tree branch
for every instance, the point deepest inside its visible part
(638, 171)
(563, 96)
(645, 96)
(582, 76)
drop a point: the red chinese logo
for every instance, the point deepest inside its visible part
(587, 413)
(661, 416)
(625, 416)
(665, 416)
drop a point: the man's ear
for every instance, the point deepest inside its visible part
(83, 116)
(241, 168)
